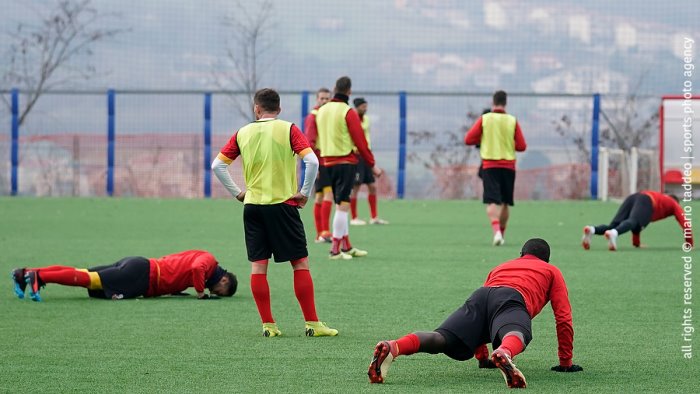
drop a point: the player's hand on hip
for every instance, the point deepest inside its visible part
(377, 172)
(573, 368)
(241, 196)
(300, 199)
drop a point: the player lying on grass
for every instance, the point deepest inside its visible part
(500, 313)
(635, 213)
(132, 277)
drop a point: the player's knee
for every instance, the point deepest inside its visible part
(517, 334)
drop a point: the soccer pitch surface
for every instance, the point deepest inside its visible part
(627, 305)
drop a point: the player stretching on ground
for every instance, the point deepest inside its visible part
(499, 137)
(635, 213)
(323, 203)
(339, 132)
(500, 312)
(133, 277)
(271, 219)
(363, 175)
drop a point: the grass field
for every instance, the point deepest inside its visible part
(627, 305)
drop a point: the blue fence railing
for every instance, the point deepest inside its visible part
(207, 135)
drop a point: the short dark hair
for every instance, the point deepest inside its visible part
(359, 101)
(322, 90)
(537, 247)
(343, 85)
(268, 99)
(500, 98)
(232, 284)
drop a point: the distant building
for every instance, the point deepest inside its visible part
(583, 80)
(625, 36)
(580, 28)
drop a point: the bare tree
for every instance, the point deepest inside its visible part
(249, 40)
(448, 160)
(52, 53)
(626, 123)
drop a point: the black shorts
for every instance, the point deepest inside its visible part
(498, 185)
(488, 314)
(638, 208)
(323, 180)
(274, 230)
(363, 174)
(127, 278)
(342, 180)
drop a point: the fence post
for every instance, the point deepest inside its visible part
(110, 142)
(661, 147)
(304, 112)
(594, 146)
(14, 147)
(401, 178)
(207, 145)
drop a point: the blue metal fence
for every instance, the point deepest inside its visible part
(402, 142)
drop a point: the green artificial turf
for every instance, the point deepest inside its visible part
(627, 305)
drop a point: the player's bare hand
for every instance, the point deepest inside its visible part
(300, 199)
(377, 172)
(241, 196)
(202, 295)
(573, 368)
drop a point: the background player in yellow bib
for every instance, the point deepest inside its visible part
(323, 204)
(339, 133)
(271, 219)
(363, 175)
(499, 137)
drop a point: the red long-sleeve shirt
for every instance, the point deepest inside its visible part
(473, 137)
(311, 132)
(539, 283)
(176, 272)
(665, 206)
(357, 134)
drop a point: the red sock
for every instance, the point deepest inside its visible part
(406, 345)
(68, 276)
(304, 290)
(372, 199)
(261, 294)
(353, 207)
(512, 344)
(318, 219)
(503, 230)
(481, 352)
(335, 246)
(496, 226)
(345, 243)
(326, 208)
(636, 239)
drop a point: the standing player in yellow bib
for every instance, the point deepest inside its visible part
(364, 175)
(269, 149)
(339, 133)
(324, 192)
(499, 137)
